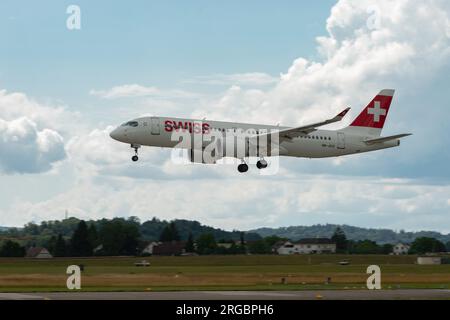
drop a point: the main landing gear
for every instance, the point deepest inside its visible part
(243, 167)
(261, 164)
(135, 147)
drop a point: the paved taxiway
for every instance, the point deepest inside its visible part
(414, 294)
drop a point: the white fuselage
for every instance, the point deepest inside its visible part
(159, 132)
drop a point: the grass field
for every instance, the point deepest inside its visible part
(251, 272)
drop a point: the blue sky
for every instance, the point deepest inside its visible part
(149, 42)
(294, 62)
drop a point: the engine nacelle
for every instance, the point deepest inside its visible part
(241, 146)
(233, 146)
(208, 154)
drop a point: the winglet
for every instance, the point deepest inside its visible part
(342, 114)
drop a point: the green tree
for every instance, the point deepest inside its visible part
(272, 240)
(426, 244)
(340, 239)
(118, 237)
(93, 235)
(11, 249)
(60, 247)
(31, 229)
(190, 244)
(51, 244)
(387, 248)
(169, 233)
(242, 238)
(447, 246)
(259, 247)
(80, 246)
(206, 243)
(365, 247)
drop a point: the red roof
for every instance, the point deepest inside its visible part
(169, 248)
(35, 251)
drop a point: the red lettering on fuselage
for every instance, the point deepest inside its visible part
(196, 127)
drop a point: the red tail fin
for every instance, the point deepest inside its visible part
(374, 115)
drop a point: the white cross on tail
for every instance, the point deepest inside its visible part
(376, 111)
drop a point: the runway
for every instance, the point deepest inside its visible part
(412, 294)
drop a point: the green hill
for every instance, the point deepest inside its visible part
(380, 236)
(149, 230)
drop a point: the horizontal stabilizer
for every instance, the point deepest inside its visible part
(384, 139)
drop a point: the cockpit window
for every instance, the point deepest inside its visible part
(130, 124)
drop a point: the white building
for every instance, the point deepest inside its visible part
(225, 245)
(307, 246)
(429, 260)
(401, 248)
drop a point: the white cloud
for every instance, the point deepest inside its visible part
(26, 149)
(136, 90)
(247, 203)
(96, 147)
(31, 134)
(244, 79)
(357, 63)
(14, 105)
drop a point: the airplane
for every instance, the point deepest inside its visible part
(259, 140)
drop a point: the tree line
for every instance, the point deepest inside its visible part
(420, 245)
(380, 236)
(124, 237)
(109, 237)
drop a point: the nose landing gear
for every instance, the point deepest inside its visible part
(135, 147)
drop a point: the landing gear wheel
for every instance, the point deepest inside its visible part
(243, 167)
(135, 147)
(261, 164)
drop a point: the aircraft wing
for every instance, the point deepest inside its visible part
(289, 134)
(384, 139)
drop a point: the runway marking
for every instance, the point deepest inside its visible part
(256, 293)
(19, 296)
(237, 295)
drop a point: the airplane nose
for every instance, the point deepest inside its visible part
(115, 134)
